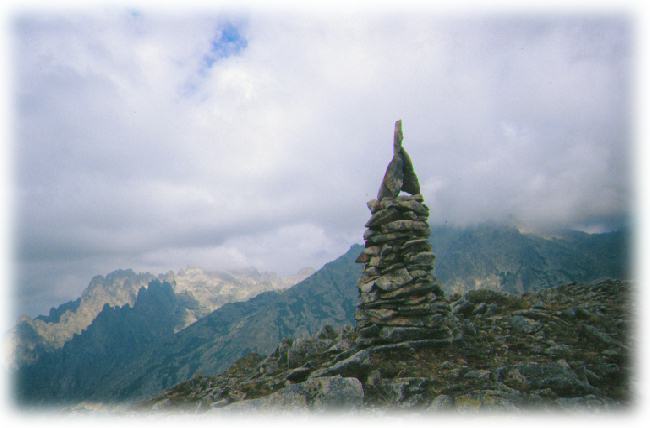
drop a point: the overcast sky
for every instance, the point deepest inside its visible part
(226, 140)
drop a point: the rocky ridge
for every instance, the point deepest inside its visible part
(200, 292)
(211, 290)
(503, 258)
(562, 348)
(87, 369)
(35, 336)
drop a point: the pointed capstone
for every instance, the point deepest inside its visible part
(400, 175)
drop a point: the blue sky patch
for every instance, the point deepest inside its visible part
(226, 43)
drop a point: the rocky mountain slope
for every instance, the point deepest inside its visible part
(45, 333)
(115, 337)
(211, 290)
(211, 344)
(503, 258)
(207, 346)
(560, 348)
(200, 293)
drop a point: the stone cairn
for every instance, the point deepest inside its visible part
(398, 295)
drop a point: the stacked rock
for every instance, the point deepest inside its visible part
(397, 292)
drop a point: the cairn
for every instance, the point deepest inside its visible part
(398, 295)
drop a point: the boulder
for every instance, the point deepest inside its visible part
(329, 392)
(521, 324)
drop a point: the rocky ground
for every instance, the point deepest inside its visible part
(562, 348)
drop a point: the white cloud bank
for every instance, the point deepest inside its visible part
(140, 143)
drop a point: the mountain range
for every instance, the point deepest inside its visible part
(199, 293)
(135, 351)
(505, 259)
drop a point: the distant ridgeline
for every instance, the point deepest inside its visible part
(502, 258)
(133, 352)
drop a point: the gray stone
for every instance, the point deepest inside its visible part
(393, 280)
(379, 315)
(557, 350)
(355, 365)
(491, 309)
(486, 400)
(367, 287)
(414, 310)
(391, 268)
(374, 237)
(469, 328)
(385, 262)
(374, 261)
(373, 250)
(480, 308)
(417, 245)
(400, 334)
(373, 205)
(462, 307)
(369, 331)
(411, 205)
(414, 288)
(400, 174)
(316, 393)
(409, 392)
(369, 273)
(299, 374)
(441, 402)
(595, 334)
(423, 274)
(384, 216)
(405, 226)
(367, 297)
(362, 258)
(425, 258)
(162, 404)
(556, 376)
(588, 402)
(524, 325)
(481, 375)
(303, 348)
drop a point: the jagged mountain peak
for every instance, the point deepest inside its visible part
(202, 292)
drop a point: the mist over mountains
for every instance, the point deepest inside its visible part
(137, 350)
(503, 258)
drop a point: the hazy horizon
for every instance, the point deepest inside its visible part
(229, 140)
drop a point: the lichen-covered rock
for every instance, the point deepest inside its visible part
(496, 367)
(521, 324)
(441, 402)
(486, 400)
(331, 392)
(406, 392)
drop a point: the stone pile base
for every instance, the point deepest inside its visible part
(397, 292)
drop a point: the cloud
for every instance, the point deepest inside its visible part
(151, 141)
